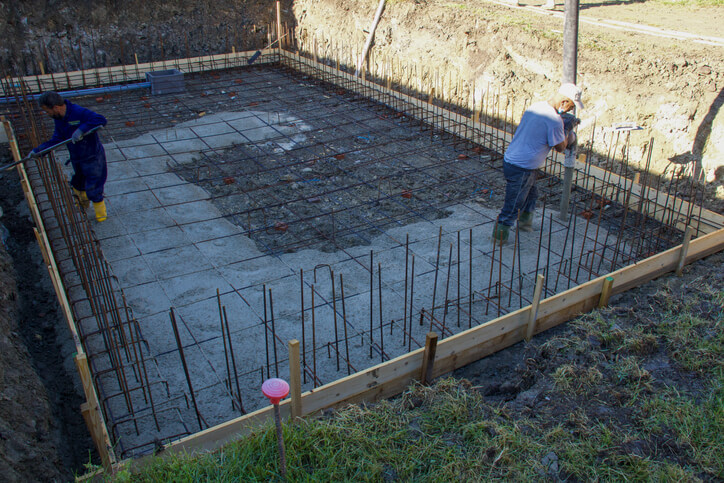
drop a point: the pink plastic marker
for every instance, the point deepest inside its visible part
(276, 390)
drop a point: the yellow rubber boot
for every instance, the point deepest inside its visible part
(81, 199)
(100, 209)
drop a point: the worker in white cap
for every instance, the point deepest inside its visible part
(541, 128)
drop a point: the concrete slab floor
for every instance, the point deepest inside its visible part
(244, 196)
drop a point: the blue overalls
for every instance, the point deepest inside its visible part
(87, 155)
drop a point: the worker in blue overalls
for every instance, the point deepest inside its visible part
(86, 152)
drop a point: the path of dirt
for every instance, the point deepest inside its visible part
(615, 358)
(42, 434)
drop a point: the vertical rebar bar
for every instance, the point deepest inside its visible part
(266, 330)
(185, 367)
(314, 341)
(233, 363)
(274, 333)
(379, 291)
(447, 291)
(304, 343)
(344, 321)
(437, 265)
(226, 353)
(372, 294)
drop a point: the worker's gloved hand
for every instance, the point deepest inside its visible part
(569, 122)
(77, 135)
(572, 139)
(33, 154)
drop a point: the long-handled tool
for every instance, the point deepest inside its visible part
(258, 52)
(569, 162)
(45, 151)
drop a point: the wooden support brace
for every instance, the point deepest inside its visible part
(428, 359)
(605, 292)
(91, 413)
(43, 250)
(684, 250)
(279, 27)
(533, 316)
(295, 380)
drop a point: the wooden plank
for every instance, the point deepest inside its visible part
(129, 73)
(87, 412)
(295, 379)
(428, 358)
(533, 315)
(655, 266)
(216, 436)
(605, 292)
(664, 207)
(43, 241)
(91, 409)
(94, 418)
(683, 251)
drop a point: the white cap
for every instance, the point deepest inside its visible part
(573, 92)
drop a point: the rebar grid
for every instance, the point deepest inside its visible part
(375, 171)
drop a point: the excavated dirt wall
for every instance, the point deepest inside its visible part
(672, 88)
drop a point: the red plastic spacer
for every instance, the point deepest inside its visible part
(275, 389)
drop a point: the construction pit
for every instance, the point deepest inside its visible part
(289, 200)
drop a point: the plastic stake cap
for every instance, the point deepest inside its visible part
(275, 389)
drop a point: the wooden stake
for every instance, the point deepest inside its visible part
(279, 27)
(43, 250)
(428, 359)
(534, 307)
(605, 292)
(295, 379)
(91, 412)
(684, 250)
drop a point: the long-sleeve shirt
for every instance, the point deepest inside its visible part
(77, 117)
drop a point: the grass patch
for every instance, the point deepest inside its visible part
(576, 379)
(454, 435)
(601, 415)
(696, 425)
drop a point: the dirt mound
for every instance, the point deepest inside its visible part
(671, 88)
(42, 434)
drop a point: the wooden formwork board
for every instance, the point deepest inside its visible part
(392, 377)
(91, 408)
(127, 73)
(666, 208)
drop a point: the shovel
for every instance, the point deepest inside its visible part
(45, 151)
(258, 52)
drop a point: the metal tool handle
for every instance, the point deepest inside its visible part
(47, 150)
